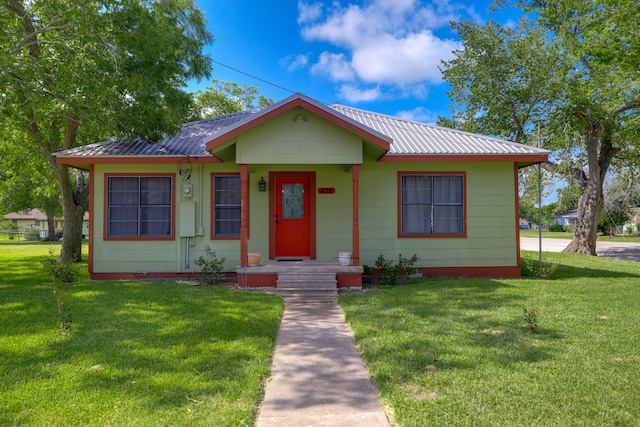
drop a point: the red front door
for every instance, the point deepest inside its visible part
(293, 217)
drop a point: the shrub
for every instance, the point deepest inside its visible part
(556, 228)
(211, 267)
(531, 318)
(389, 272)
(531, 267)
(32, 235)
(532, 312)
(62, 271)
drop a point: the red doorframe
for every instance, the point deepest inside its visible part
(272, 209)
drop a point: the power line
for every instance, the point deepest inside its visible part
(254, 77)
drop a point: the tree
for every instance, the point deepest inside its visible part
(621, 195)
(73, 72)
(570, 69)
(25, 180)
(227, 97)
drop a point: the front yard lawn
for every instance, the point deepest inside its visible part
(139, 352)
(459, 351)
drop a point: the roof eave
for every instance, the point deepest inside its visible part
(147, 159)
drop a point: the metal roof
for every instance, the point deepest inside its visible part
(189, 141)
(405, 137)
(414, 138)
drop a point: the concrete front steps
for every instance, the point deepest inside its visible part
(304, 279)
(299, 282)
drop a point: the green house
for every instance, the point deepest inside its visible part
(305, 182)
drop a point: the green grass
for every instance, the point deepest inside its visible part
(139, 353)
(569, 236)
(582, 368)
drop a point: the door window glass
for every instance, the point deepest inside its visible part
(292, 201)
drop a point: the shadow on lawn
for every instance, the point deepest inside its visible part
(161, 347)
(452, 324)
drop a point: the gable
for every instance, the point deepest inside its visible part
(298, 137)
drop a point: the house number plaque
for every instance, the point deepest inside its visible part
(326, 190)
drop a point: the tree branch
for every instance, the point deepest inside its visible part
(626, 107)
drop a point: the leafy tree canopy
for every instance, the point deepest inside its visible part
(228, 97)
(565, 76)
(73, 72)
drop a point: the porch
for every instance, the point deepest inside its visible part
(307, 277)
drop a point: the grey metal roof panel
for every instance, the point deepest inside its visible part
(405, 137)
(189, 141)
(419, 138)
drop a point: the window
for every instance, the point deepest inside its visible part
(139, 206)
(431, 204)
(227, 196)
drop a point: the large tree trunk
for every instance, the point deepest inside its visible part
(51, 227)
(73, 212)
(73, 188)
(73, 196)
(600, 153)
(589, 208)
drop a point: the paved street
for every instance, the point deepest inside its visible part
(612, 249)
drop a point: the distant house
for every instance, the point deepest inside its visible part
(35, 219)
(301, 180)
(633, 221)
(566, 218)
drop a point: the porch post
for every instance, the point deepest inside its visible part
(355, 234)
(244, 214)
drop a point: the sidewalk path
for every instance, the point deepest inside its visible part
(318, 378)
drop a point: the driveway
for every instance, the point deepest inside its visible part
(612, 249)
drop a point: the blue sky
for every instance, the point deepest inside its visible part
(378, 55)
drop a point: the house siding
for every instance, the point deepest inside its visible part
(491, 218)
(285, 141)
(490, 214)
(333, 216)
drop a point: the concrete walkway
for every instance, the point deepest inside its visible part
(318, 378)
(612, 249)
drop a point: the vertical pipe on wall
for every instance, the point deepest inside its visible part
(186, 254)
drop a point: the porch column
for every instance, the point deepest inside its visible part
(355, 234)
(244, 214)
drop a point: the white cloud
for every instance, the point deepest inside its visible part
(334, 65)
(382, 42)
(354, 94)
(419, 114)
(308, 12)
(403, 61)
(295, 62)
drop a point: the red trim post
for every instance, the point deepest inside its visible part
(355, 234)
(92, 195)
(244, 215)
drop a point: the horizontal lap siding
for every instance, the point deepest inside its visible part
(490, 207)
(334, 212)
(149, 256)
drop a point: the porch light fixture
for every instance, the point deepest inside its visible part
(262, 185)
(300, 117)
